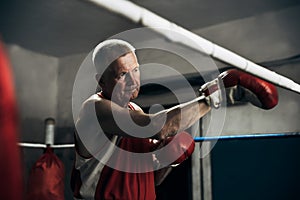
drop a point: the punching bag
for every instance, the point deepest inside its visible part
(11, 186)
(46, 179)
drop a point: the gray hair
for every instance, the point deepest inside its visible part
(106, 52)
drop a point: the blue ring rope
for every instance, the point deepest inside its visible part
(247, 136)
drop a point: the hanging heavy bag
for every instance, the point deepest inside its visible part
(11, 185)
(46, 180)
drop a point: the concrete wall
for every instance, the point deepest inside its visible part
(36, 89)
(68, 68)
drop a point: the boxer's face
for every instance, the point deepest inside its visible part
(122, 81)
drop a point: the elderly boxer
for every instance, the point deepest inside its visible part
(121, 122)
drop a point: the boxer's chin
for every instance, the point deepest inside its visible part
(134, 94)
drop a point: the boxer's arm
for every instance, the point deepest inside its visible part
(181, 117)
(167, 122)
(176, 119)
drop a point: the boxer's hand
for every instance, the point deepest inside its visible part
(241, 87)
(178, 148)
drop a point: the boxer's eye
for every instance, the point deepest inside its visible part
(136, 69)
(122, 75)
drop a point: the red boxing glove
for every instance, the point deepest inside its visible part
(176, 149)
(242, 87)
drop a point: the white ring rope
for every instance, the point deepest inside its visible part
(55, 146)
(149, 19)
